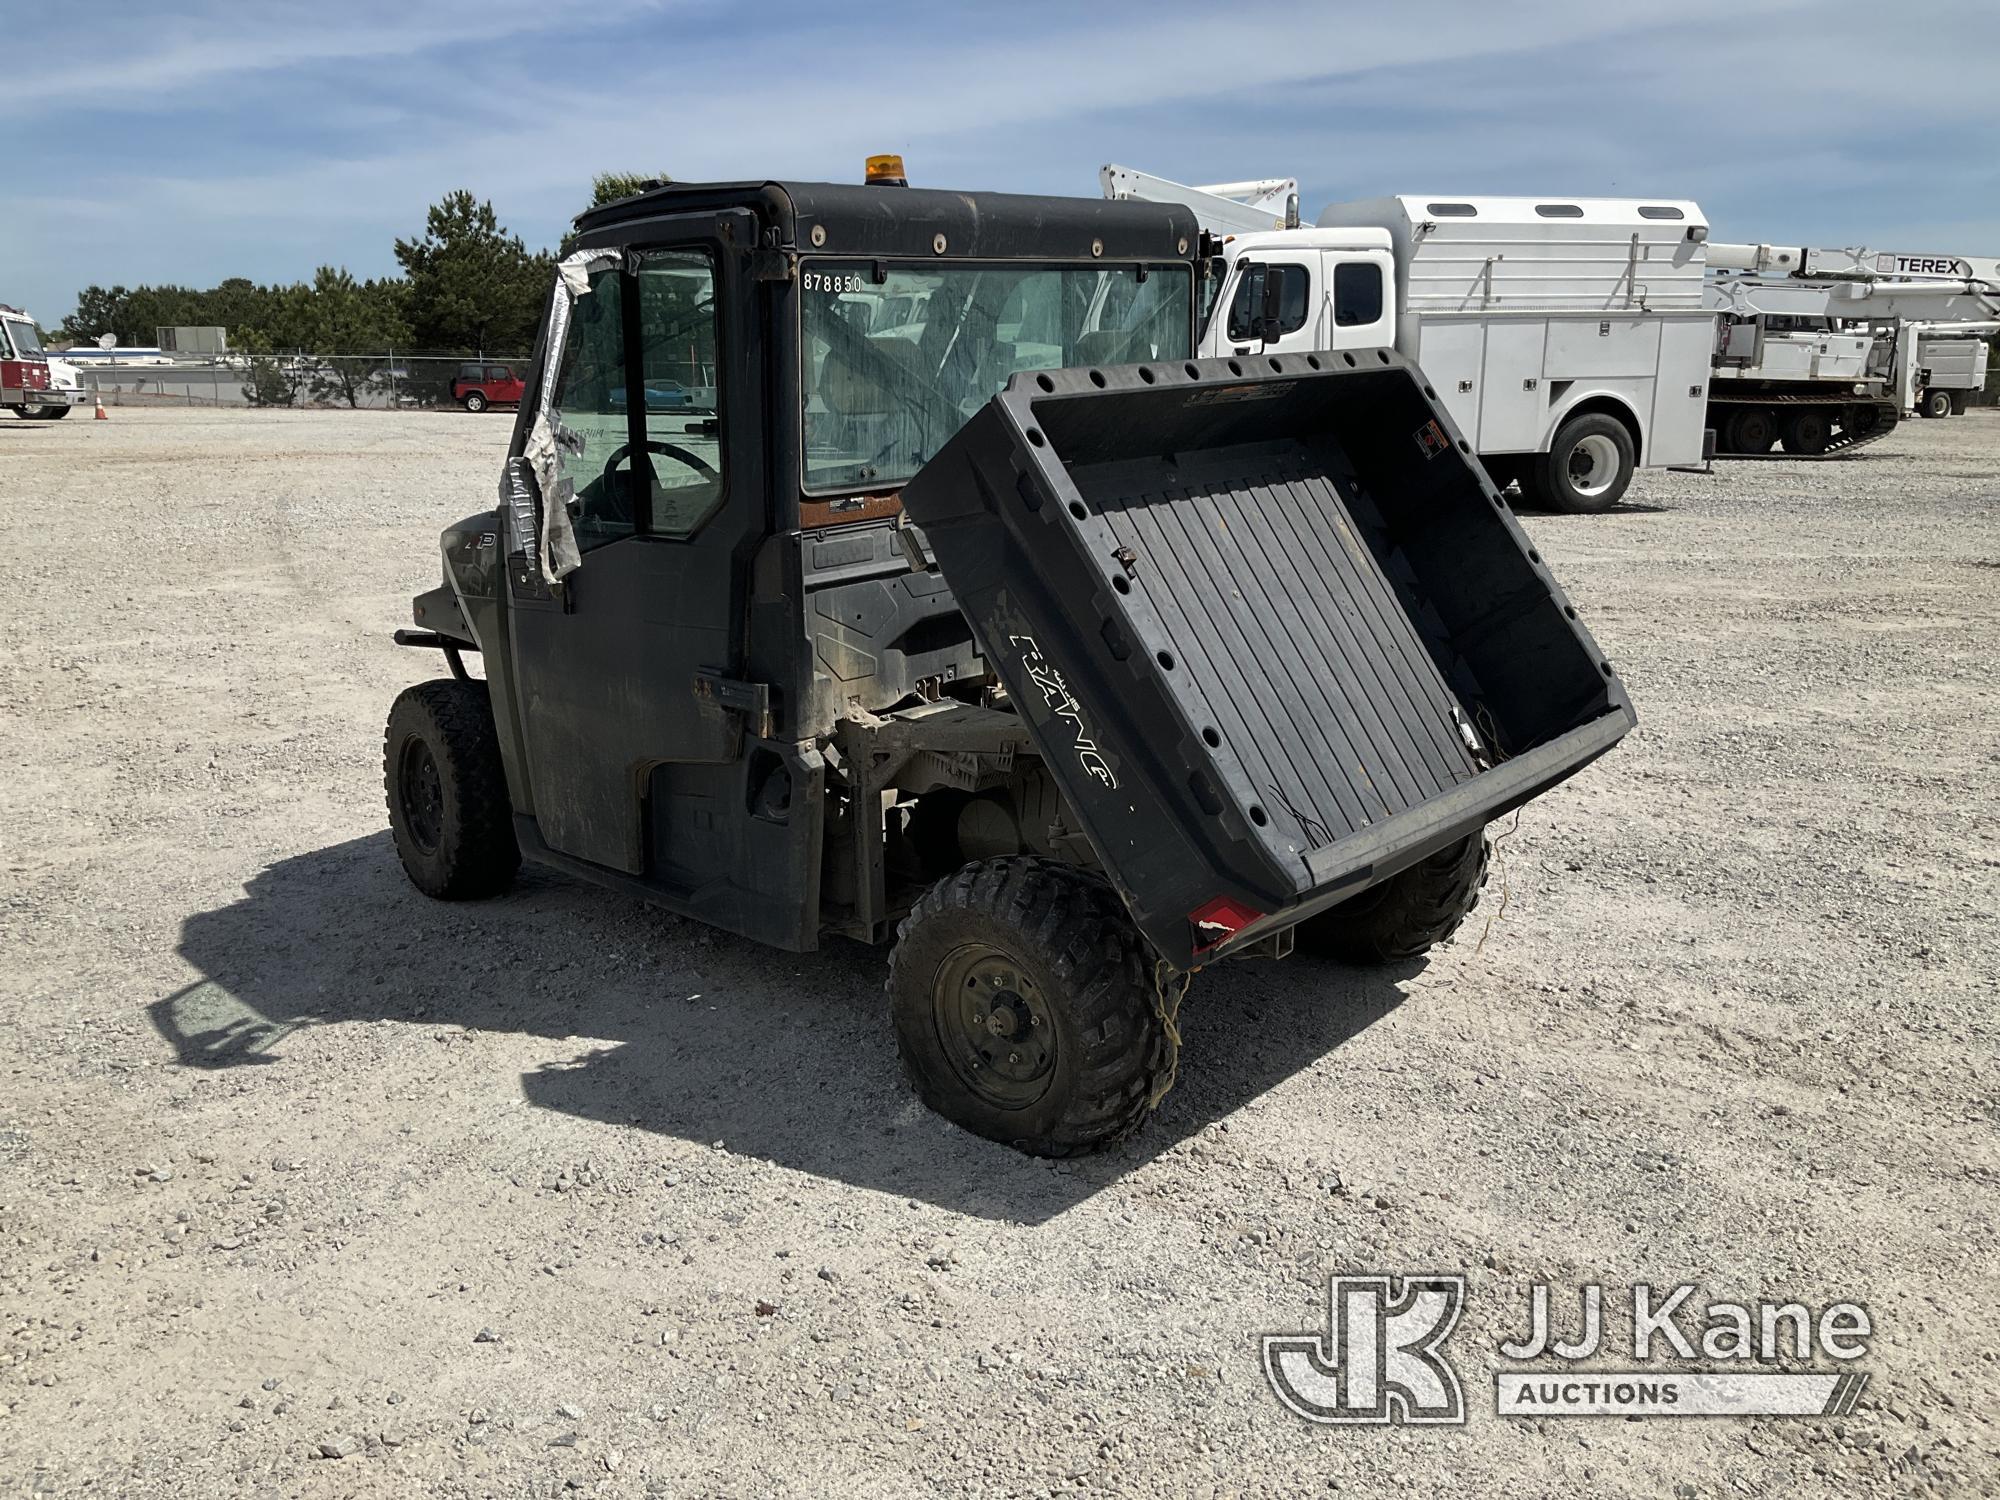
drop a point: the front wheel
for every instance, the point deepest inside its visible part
(1406, 915)
(448, 807)
(1029, 1010)
(473, 401)
(1586, 469)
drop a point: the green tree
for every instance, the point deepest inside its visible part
(99, 310)
(609, 187)
(472, 286)
(353, 327)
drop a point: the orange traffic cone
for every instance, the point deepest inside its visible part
(102, 414)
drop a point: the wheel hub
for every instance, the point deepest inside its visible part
(420, 790)
(1593, 464)
(994, 1026)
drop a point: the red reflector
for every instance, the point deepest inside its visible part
(1219, 920)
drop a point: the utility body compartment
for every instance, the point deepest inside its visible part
(1272, 629)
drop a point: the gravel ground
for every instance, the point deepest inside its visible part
(311, 1187)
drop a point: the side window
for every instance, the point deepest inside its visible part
(682, 415)
(1357, 293)
(590, 416)
(1247, 306)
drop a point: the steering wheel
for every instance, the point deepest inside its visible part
(615, 506)
(654, 445)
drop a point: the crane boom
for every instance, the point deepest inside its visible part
(1222, 207)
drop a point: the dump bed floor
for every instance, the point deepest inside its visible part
(1310, 665)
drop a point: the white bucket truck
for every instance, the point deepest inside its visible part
(1567, 337)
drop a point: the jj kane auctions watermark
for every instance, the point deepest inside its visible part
(1383, 1356)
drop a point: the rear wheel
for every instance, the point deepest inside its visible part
(1936, 404)
(1406, 915)
(1586, 469)
(448, 808)
(1026, 1010)
(1808, 432)
(1752, 430)
(474, 401)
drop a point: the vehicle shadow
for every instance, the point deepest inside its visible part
(673, 1028)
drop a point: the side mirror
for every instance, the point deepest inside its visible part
(1271, 314)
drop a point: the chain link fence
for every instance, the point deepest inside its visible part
(389, 381)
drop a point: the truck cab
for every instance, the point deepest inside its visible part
(27, 385)
(1288, 291)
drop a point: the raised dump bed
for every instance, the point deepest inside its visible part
(1274, 631)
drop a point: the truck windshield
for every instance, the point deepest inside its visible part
(894, 367)
(27, 343)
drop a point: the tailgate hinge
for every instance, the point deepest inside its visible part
(750, 699)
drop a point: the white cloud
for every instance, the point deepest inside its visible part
(1764, 112)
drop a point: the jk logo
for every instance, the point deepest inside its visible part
(1378, 1360)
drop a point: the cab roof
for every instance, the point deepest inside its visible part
(829, 218)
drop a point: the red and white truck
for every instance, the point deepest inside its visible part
(26, 382)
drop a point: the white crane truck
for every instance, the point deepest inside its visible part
(1567, 337)
(1816, 350)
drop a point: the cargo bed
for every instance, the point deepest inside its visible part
(1272, 629)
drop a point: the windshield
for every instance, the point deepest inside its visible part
(27, 343)
(893, 368)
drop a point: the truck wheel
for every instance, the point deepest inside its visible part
(1025, 1007)
(52, 413)
(1586, 469)
(448, 807)
(1807, 432)
(1958, 400)
(1936, 404)
(1751, 431)
(1407, 914)
(473, 401)
(24, 412)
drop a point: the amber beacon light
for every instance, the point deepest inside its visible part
(886, 171)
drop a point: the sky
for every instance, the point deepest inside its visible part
(211, 138)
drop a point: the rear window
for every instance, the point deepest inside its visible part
(896, 357)
(1357, 293)
(468, 372)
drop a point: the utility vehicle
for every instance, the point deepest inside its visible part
(970, 609)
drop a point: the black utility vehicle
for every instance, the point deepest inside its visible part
(971, 611)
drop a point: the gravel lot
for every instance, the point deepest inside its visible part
(311, 1187)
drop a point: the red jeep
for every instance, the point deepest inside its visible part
(479, 386)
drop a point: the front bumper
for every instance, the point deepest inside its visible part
(21, 396)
